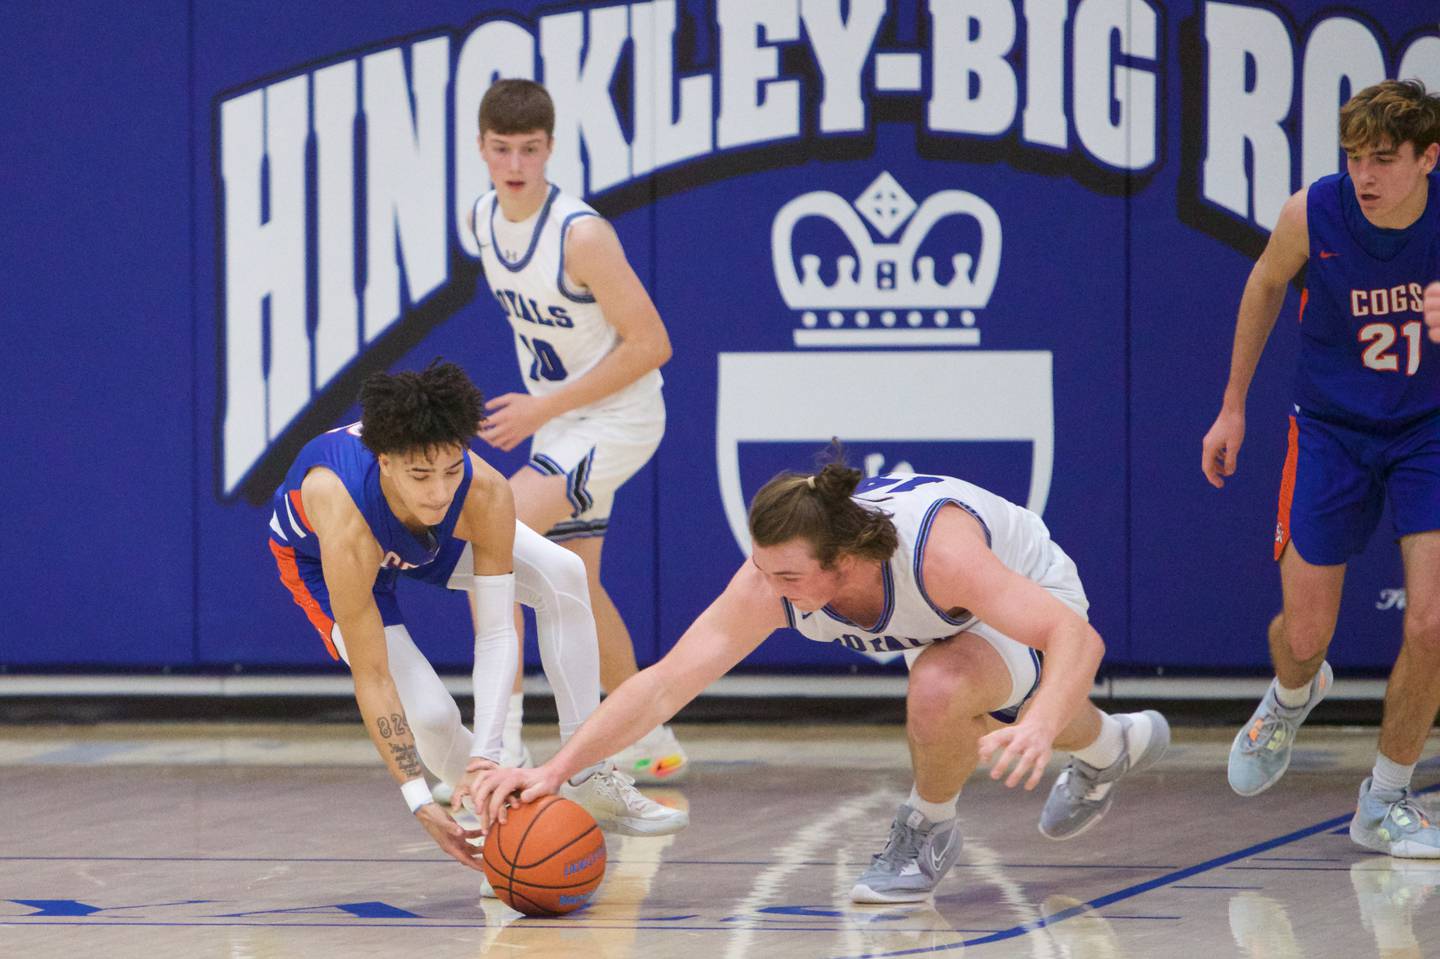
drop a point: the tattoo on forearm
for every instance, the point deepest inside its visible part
(406, 758)
(394, 724)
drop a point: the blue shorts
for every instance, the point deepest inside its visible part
(305, 579)
(1337, 479)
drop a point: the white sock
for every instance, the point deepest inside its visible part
(1390, 776)
(1108, 746)
(1293, 698)
(933, 811)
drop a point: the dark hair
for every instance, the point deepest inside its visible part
(817, 507)
(1393, 112)
(516, 106)
(419, 411)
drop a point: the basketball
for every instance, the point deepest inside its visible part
(547, 859)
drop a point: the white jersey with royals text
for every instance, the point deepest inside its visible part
(910, 618)
(560, 333)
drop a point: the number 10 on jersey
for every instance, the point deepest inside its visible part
(545, 363)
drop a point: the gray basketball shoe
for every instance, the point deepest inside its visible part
(918, 856)
(1082, 794)
(1260, 753)
(1395, 824)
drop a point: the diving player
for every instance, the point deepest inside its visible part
(972, 588)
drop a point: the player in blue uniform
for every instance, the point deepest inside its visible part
(1366, 428)
(401, 494)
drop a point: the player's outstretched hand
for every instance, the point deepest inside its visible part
(478, 767)
(494, 788)
(450, 836)
(1432, 311)
(511, 419)
(1220, 449)
(1024, 746)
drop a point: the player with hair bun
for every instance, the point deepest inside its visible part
(970, 588)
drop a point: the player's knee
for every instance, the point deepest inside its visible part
(432, 719)
(1422, 628)
(937, 692)
(567, 573)
(1306, 637)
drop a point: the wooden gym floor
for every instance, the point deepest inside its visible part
(250, 841)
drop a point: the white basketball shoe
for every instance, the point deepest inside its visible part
(611, 797)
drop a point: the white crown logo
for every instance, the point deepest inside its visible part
(887, 277)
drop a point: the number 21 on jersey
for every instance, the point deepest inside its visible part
(1381, 337)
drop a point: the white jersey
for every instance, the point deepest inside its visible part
(910, 618)
(560, 333)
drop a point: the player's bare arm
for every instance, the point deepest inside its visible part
(1284, 256)
(350, 558)
(594, 258)
(732, 626)
(487, 519)
(962, 571)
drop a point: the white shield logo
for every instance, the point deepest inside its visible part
(884, 303)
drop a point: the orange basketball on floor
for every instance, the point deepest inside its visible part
(547, 858)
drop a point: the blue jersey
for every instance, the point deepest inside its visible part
(297, 548)
(1365, 361)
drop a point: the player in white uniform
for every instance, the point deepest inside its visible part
(590, 344)
(971, 587)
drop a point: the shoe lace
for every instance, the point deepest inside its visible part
(1263, 729)
(1406, 813)
(1080, 784)
(618, 787)
(902, 847)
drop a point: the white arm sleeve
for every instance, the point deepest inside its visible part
(551, 580)
(496, 659)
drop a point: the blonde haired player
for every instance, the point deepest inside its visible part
(590, 344)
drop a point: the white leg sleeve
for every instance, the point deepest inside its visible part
(496, 659)
(551, 580)
(440, 737)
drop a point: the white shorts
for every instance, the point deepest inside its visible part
(596, 453)
(1062, 580)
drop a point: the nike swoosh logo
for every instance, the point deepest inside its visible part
(1326, 254)
(938, 851)
(806, 615)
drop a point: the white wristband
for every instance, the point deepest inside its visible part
(416, 793)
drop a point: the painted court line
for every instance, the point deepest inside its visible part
(1120, 895)
(1130, 892)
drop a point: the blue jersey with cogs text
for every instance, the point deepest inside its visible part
(1365, 360)
(342, 452)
